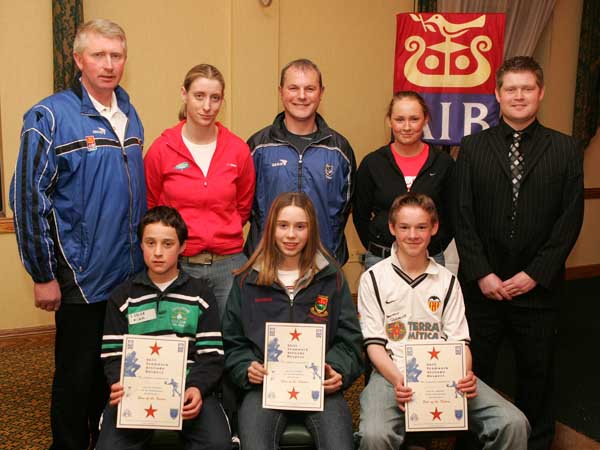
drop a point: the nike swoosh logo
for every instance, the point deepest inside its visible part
(432, 174)
(390, 301)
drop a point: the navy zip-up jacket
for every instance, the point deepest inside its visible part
(251, 305)
(324, 171)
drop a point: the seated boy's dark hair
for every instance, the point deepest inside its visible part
(411, 199)
(167, 216)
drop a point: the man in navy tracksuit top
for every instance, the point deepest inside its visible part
(78, 194)
(300, 153)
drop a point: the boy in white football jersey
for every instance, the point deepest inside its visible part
(408, 297)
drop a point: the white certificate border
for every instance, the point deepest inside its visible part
(265, 400)
(142, 337)
(458, 427)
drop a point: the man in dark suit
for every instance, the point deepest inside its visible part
(520, 209)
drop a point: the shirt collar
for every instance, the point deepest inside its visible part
(432, 267)
(527, 132)
(105, 110)
(143, 278)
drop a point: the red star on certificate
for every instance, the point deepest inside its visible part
(150, 411)
(295, 335)
(434, 354)
(155, 348)
(293, 393)
(436, 414)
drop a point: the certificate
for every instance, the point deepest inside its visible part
(295, 362)
(153, 371)
(432, 372)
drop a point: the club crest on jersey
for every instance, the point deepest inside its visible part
(434, 303)
(179, 316)
(90, 142)
(395, 330)
(329, 171)
(319, 309)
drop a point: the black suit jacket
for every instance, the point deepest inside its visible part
(549, 211)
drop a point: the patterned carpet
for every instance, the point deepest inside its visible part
(25, 393)
(25, 380)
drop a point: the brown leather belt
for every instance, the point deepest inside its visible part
(205, 258)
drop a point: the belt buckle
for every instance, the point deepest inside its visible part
(203, 258)
(378, 250)
(206, 258)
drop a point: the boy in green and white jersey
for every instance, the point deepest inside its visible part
(165, 301)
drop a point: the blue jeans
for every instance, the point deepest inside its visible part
(371, 259)
(497, 423)
(261, 429)
(219, 274)
(208, 431)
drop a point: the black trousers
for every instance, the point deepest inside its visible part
(532, 333)
(79, 389)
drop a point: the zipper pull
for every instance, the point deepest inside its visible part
(158, 299)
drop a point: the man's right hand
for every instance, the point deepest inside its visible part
(47, 296)
(491, 286)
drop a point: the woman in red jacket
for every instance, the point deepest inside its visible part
(205, 172)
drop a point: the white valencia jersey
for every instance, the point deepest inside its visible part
(395, 310)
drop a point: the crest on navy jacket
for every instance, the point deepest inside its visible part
(329, 171)
(319, 309)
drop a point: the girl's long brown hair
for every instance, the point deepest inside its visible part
(267, 254)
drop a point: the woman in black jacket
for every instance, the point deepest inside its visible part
(406, 164)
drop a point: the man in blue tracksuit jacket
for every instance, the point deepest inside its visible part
(300, 153)
(78, 195)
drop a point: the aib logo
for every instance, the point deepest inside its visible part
(448, 63)
(451, 59)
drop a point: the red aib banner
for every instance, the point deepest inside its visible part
(451, 60)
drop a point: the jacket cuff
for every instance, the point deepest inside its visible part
(43, 278)
(542, 276)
